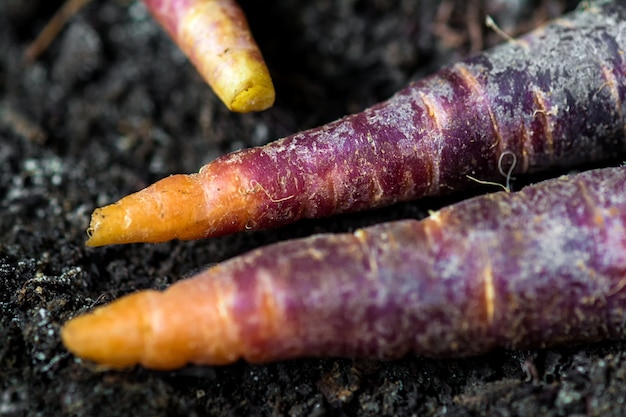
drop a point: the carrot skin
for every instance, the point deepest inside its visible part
(545, 266)
(215, 35)
(552, 98)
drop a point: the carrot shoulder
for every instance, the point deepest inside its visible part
(215, 35)
(541, 267)
(553, 98)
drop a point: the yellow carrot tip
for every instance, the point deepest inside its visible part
(243, 83)
(217, 39)
(256, 98)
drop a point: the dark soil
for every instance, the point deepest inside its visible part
(113, 106)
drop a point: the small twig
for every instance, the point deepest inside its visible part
(21, 125)
(491, 24)
(507, 174)
(52, 29)
(507, 185)
(496, 184)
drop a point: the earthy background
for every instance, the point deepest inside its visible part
(113, 106)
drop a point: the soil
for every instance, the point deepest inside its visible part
(112, 106)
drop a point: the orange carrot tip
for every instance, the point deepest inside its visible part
(138, 331)
(208, 204)
(125, 337)
(215, 35)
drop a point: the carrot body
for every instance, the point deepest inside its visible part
(214, 34)
(542, 267)
(553, 98)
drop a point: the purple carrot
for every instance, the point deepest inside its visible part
(552, 98)
(541, 267)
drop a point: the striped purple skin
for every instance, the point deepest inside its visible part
(542, 267)
(553, 98)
